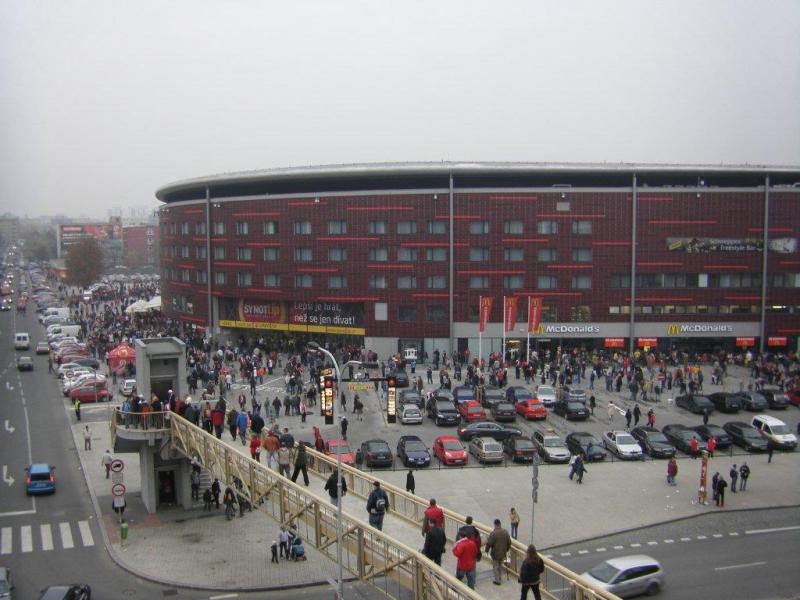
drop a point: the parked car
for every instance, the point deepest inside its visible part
(531, 409)
(487, 429)
(410, 396)
(471, 410)
(681, 436)
(519, 449)
(746, 436)
(449, 450)
(24, 363)
(517, 393)
(577, 394)
(627, 576)
(504, 411)
(492, 395)
(776, 399)
(342, 448)
(127, 387)
(42, 348)
(6, 583)
(586, 445)
(374, 453)
(550, 447)
(726, 402)
(754, 401)
(653, 442)
(442, 411)
(400, 378)
(622, 444)
(75, 591)
(413, 451)
(547, 394)
(571, 410)
(775, 431)
(89, 394)
(463, 393)
(447, 395)
(793, 396)
(486, 450)
(695, 403)
(718, 433)
(409, 414)
(41, 479)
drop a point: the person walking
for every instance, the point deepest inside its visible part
(410, 483)
(466, 551)
(592, 403)
(693, 447)
(770, 450)
(651, 418)
(497, 546)
(331, 488)
(637, 414)
(77, 406)
(271, 444)
(721, 485)
(194, 480)
(711, 446)
(300, 464)
(434, 544)
(628, 417)
(284, 460)
(344, 402)
(714, 488)
(734, 475)
(283, 541)
(106, 461)
(87, 439)
(611, 410)
(514, 520)
(216, 490)
(705, 416)
(377, 505)
(229, 499)
(433, 516)
(343, 423)
(530, 574)
(255, 448)
(207, 500)
(580, 468)
(744, 473)
(672, 470)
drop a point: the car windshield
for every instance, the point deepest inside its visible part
(552, 443)
(575, 405)
(625, 439)
(411, 410)
(452, 445)
(339, 449)
(444, 406)
(4, 589)
(474, 409)
(493, 395)
(604, 572)
(657, 437)
(545, 390)
(780, 429)
(523, 444)
(492, 447)
(415, 446)
(378, 447)
(504, 406)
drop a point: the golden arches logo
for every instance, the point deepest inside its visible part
(539, 329)
(673, 329)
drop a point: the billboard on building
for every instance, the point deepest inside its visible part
(314, 317)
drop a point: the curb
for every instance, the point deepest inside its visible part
(666, 522)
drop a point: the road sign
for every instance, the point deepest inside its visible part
(117, 465)
(117, 477)
(118, 489)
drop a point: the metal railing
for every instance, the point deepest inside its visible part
(146, 421)
(369, 554)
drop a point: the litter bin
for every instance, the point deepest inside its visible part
(123, 531)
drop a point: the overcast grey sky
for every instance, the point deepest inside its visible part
(102, 102)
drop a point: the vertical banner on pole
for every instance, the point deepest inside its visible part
(702, 494)
(509, 313)
(534, 313)
(485, 312)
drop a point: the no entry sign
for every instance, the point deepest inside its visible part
(118, 489)
(117, 465)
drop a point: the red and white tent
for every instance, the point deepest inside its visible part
(121, 356)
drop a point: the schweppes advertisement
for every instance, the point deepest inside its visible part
(316, 317)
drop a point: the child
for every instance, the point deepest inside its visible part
(274, 549)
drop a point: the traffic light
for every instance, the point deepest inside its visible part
(391, 400)
(327, 399)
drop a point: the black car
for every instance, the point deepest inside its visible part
(517, 393)
(746, 436)
(487, 429)
(586, 445)
(754, 401)
(410, 396)
(413, 451)
(775, 398)
(571, 410)
(25, 363)
(503, 411)
(519, 449)
(375, 453)
(443, 412)
(681, 437)
(400, 378)
(726, 402)
(653, 442)
(718, 433)
(491, 396)
(695, 403)
(67, 592)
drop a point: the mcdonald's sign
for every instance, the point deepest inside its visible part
(673, 329)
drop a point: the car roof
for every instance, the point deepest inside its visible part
(446, 438)
(377, 442)
(486, 440)
(769, 419)
(740, 424)
(635, 560)
(409, 438)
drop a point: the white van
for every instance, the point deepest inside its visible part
(65, 330)
(775, 431)
(22, 341)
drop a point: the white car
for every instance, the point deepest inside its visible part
(409, 414)
(127, 387)
(82, 379)
(547, 394)
(622, 444)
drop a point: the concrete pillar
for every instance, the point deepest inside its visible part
(147, 474)
(183, 484)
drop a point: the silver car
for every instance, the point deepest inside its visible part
(409, 414)
(550, 447)
(547, 394)
(627, 576)
(486, 449)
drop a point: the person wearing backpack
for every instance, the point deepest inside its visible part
(377, 505)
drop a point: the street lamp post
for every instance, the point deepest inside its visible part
(340, 579)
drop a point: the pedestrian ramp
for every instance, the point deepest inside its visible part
(45, 537)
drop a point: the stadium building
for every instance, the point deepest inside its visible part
(398, 255)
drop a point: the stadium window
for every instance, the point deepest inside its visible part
(244, 279)
(337, 282)
(303, 281)
(479, 227)
(406, 227)
(219, 228)
(185, 252)
(186, 275)
(302, 227)
(547, 227)
(219, 252)
(377, 227)
(272, 280)
(337, 227)
(513, 227)
(435, 314)
(303, 255)
(219, 277)
(270, 228)
(513, 282)
(200, 252)
(242, 228)
(406, 314)
(406, 282)
(337, 254)
(582, 227)
(583, 255)
(184, 229)
(478, 254)
(547, 255)
(437, 227)
(546, 282)
(581, 282)
(407, 254)
(377, 282)
(513, 254)
(378, 254)
(437, 282)
(244, 254)
(271, 254)
(201, 276)
(436, 254)
(200, 228)
(479, 283)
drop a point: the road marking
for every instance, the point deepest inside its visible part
(702, 537)
(733, 533)
(17, 513)
(686, 539)
(753, 564)
(566, 554)
(223, 596)
(47, 536)
(66, 536)
(636, 545)
(652, 543)
(618, 547)
(717, 535)
(583, 552)
(600, 550)
(773, 530)
(86, 533)
(6, 540)
(26, 538)
(669, 541)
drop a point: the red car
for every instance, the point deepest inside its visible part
(531, 409)
(449, 450)
(471, 410)
(342, 448)
(794, 396)
(89, 394)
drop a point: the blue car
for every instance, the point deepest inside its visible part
(40, 480)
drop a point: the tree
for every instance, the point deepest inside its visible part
(84, 262)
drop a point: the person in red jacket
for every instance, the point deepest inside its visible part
(711, 445)
(434, 516)
(693, 446)
(466, 551)
(255, 448)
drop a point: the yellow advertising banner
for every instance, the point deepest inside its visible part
(291, 327)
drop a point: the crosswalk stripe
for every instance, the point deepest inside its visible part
(26, 537)
(47, 536)
(66, 536)
(86, 533)
(6, 540)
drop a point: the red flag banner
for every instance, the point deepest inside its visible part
(509, 312)
(534, 313)
(485, 309)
